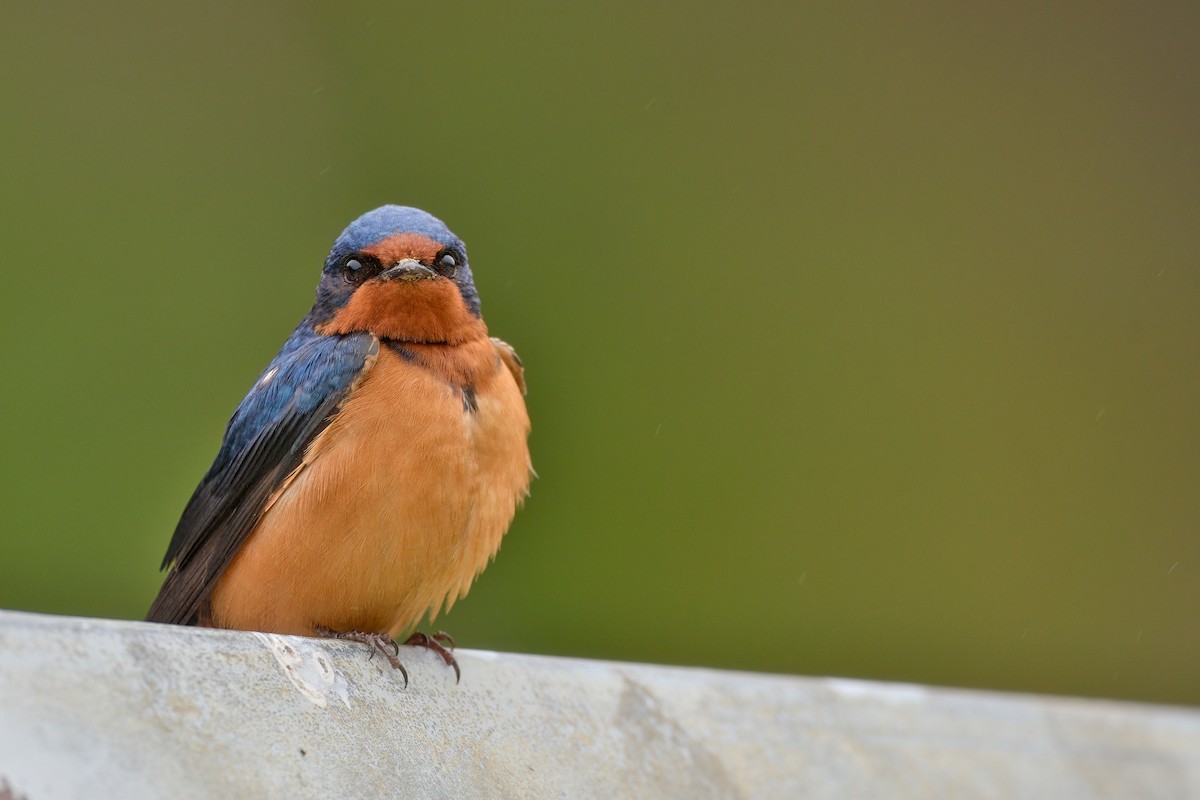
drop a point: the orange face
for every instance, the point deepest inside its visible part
(430, 310)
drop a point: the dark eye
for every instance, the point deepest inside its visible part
(447, 262)
(354, 270)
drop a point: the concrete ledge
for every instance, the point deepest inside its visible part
(99, 709)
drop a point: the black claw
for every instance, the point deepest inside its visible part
(434, 643)
(376, 642)
(441, 643)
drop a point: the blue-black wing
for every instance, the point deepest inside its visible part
(292, 401)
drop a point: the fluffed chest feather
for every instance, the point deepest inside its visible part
(398, 504)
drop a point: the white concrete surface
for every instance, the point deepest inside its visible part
(106, 709)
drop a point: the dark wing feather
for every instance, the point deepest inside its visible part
(292, 401)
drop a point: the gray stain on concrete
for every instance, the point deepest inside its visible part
(658, 746)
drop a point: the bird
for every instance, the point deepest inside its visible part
(370, 473)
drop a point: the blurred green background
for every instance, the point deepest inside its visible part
(861, 340)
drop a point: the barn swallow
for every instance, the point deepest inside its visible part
(370, 473)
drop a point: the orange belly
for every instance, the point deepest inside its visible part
(399, 505)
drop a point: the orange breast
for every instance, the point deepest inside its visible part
(399, 505)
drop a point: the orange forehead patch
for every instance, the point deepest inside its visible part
(405, 245)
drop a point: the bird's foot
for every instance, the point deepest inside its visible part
(378, 643)
(441, 643)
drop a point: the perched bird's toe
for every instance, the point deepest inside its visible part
(380, 643)
(441, 643)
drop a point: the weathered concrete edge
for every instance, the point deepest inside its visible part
(112, 708)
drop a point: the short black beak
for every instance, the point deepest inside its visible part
(407, 270)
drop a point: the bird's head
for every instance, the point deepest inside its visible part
(401, 274)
